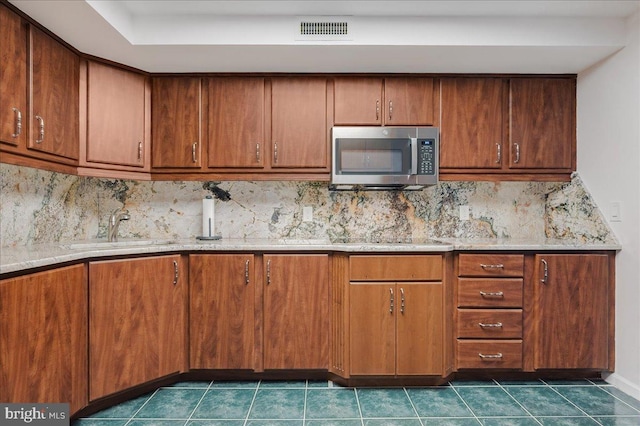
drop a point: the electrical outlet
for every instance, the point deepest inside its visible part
(307, 214)
(464, 212)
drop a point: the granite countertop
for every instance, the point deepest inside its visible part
(19, 258)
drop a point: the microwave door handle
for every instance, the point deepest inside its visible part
(414, 156)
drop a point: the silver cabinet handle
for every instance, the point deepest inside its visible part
(246, 271)
(275, 152)
(18, 123)
(176, 273)
(390, 110)
(496, 266)
(517, 146)
(377, 109)
(194, 158)
(139, 150)
(491, 294)
(40, 129)
(545, 274)
(391, 300)
(401, 300)
(490, 356)
(490, 325)
(257, 153)
(268, 272)
(499, 149)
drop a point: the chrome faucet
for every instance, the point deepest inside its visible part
(116, 217)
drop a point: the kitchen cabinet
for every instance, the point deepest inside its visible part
(542, 123)
(384, 101)
(43, 335)
(573, 311)
(55, 98)
(296, 311)
(472, 123)
(236, 122)
(489, 314)
(13, 79)
(176, 117)
(118, 119)
(396, 323)
(222, 311)
(137, 322)
(299, 125)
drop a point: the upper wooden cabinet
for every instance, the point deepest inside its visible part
(299, 125)
(472, 123)
(542, 123)
(236, 122)
(389, 101)
(176, 117)
(13, 79)
(55, 97)
(118, 119)
(43, 335)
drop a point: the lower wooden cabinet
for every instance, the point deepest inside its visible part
(296, 311)
(43, 336)
(137, 328)
(222, 311)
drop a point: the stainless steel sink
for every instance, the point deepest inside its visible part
(104, 244)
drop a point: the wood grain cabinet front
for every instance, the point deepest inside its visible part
(137, 322)
(43, 336)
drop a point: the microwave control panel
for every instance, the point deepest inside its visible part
(426, 156)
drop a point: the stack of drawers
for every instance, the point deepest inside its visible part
(489, 311)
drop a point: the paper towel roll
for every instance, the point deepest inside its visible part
(208, 217)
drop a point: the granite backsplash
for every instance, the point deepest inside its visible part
(40, 207)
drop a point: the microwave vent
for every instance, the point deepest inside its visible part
(309, 29)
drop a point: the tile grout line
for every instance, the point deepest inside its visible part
(518, 402)
(355, 391)
(571, 402)
(255, 394)
(304, 407)
(621, 400)
(198, 404)
(413, 406)
(141, 407)
(465, 403)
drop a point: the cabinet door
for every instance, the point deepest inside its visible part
(55, 97)
(236, 122)
(472, 123)
(176, 112)
(408, 101)
(571, 311)
(372, 310)
(543, 123)
(43, 336)
(419, 329)
(116, 116)
(357, 101)
(299, 133)
(136, 322)
(221, 307)
(296, 311)
(13, 78)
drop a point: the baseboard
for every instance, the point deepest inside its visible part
(632, 389)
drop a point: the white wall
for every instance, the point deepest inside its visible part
(609, 164)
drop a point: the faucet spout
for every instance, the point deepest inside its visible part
(116, 217)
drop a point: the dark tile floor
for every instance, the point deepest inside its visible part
(576, 402)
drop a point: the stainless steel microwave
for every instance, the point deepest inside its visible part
(384, 157)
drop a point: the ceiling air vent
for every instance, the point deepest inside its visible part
(324, 28)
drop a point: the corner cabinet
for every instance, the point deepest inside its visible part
(43, 335)
(137, 322)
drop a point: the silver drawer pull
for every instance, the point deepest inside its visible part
(491, 294)
(497, 266)
(493, 325)
(490, 356)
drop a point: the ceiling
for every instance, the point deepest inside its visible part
(383, 36)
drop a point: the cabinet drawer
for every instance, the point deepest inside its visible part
(493, 293)
(396, 268)
(491, 265)
(489, 354)
(490, 323)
